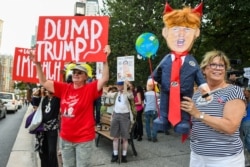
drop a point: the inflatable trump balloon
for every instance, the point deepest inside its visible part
(178, 70)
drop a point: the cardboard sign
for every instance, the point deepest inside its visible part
(125, 68)
(63, 39)
(72, 38)
(99, 67)
(24, 69)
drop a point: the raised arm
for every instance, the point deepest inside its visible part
(105, 71)
(48, 84)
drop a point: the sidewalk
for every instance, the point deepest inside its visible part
(167, 152)
(22, 154)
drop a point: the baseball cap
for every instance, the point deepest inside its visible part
(80, 68)
(120, 83)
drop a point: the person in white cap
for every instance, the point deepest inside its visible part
(121, 120)
(77, 130)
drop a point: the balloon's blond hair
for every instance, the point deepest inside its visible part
(182, 17)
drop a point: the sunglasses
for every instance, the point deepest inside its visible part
(77, 72)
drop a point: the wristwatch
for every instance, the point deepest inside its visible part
(202, 115)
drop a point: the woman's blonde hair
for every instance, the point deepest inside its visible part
(209, 56)
(183, 17)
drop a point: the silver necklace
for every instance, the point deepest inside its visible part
(48, 107)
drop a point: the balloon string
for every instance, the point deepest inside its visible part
(152, 76)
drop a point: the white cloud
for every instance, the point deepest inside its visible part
(21, 16)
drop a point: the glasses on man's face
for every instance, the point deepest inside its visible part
(77, 72)
(218, 66)
(119, 98)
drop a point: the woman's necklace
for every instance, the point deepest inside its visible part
(48, 106)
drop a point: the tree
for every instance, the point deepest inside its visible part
(225, 26)
(129, 19)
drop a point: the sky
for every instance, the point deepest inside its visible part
(20, 17)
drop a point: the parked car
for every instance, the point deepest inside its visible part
(3, 110)
(11, 99)
(20, 103)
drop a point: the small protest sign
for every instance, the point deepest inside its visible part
(125, 68)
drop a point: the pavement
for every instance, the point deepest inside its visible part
(22, 154)
(167, 152)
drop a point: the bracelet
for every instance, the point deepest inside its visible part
(202, 115)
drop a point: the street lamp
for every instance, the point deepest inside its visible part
(80, 8)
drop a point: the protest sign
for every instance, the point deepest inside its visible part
(24, 69)
(99, 67)
(125, 68)
(62, 39)
(72, 38)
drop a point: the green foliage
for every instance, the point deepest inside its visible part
(20, 86)
(225, 27)
(127, 21)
